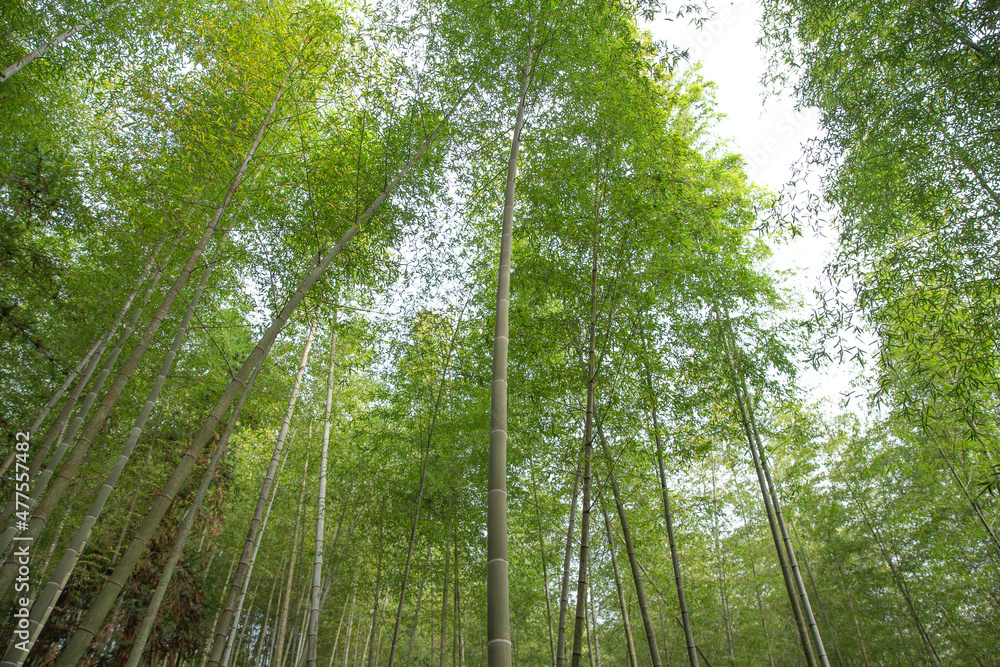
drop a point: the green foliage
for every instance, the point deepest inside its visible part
(908, 122)
(131, 132)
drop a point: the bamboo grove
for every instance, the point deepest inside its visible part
(443, 332)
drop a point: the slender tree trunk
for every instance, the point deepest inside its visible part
(45, 602)
(56, 433)
(498, 641)
(819, 601)
(640, 593)
(668, 520)
(317, 580)
(723, 595)
(633, 659)
(593, 622)
(95, 424)
(72, 375)
(249, 630)
(789, 549)
(663, 631)
(132, 505)
(751, 557)
(63, 440)
(857, 626)
(58, 534)
(347, 639)
(259, 644)
(153, 609)
(14, 68)
(283, 623)
(303, 622)
(272, 657)
(300, 660)
(105, 599)
(416, 612)
(590, 639)
(799, 585)
(340, 626)
(567, 557)
(62, 437)
(545, 570)
(973, 503)
(901, 585)
(239, 642)
(253, 559)
(249, 570)
(760, 608)
(40, 453)
(370, 642)
(588, 449)
(223, 636)
(444, 601)
(225, 587)
(296, 631)
(363, 652)
(381, 626)
(420, 495)
(741, 403)
(340, 557)
(459, 642)
(677, 619)
(201, 545)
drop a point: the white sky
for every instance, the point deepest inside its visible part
(768, 133)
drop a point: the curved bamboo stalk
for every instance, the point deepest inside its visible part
(317, 581)
(498, 643)
(588, 449)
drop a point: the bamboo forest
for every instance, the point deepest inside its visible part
(455, 333)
